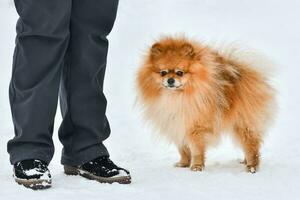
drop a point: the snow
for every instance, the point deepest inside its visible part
(36, 171)
(32, 172)
(270, 26)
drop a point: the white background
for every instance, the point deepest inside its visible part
(270, 26)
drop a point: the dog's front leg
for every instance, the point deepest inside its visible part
(185, 156)
(196, 143)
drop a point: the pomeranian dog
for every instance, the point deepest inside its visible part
(192, 92)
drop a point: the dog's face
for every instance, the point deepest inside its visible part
(171, 74)
(174, 65)
(172, 78)
(171, 65)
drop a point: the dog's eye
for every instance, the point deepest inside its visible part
(179, 73)
(163, 72)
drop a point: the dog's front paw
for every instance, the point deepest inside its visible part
(181, 164)
(197, 167)
(251, 169)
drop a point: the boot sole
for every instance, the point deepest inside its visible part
(73, 171)
(34, 183)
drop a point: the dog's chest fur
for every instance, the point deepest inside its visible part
(172, 116)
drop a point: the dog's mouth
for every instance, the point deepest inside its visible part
(172, 87)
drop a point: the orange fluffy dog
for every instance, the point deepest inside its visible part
(192, 93)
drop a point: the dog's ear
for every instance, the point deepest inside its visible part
(187, 50)
(156, 49)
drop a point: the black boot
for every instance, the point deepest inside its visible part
(101, 169)
(32, 174)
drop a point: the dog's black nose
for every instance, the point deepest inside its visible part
(171, 81)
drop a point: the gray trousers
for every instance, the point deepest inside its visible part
(61, 50)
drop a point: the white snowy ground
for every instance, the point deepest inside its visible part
(271, 26)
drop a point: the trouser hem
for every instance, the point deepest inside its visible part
(17, 157)
(85, 156)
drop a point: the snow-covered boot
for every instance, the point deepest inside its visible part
(32, 174)
(101, 169)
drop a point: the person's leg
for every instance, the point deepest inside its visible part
(83, 103)
(42, 39)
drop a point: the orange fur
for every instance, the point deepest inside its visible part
(217, 93)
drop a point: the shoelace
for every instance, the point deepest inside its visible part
(40, 166)
(105, 164)
(112, 165)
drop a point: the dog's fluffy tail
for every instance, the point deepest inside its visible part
(247, 57)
